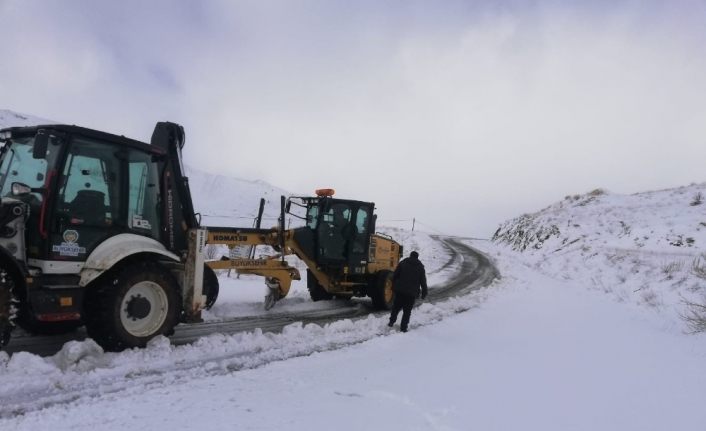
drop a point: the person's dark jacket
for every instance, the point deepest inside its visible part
(409, 276)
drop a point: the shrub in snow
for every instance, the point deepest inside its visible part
(672, 268)
(695, 315)
(697, 200)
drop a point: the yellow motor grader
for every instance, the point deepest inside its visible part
(344, 257)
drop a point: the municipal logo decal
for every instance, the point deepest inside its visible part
(71, 236)
(70, 245)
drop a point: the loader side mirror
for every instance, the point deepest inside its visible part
(41, 143)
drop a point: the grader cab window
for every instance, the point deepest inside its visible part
(334, 231)
(312, 217)
(361, 227)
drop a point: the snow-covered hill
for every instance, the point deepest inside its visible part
(224, 200)
(14, 119)
(221, 200)
(646, 247)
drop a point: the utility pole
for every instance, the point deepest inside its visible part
(414, 220)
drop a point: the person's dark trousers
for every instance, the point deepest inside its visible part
(405, 303)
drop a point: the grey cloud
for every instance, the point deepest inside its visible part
(458, 117)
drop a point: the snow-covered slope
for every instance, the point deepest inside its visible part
(647, 247)
(224, 200)
(14, 119)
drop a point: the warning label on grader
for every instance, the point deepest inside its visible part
(248, 262)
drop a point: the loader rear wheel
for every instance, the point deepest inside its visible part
(132, 306)
(381, 291)
(316, 291)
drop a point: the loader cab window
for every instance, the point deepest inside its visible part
(89, 194)
(18, 165)
(143, 197)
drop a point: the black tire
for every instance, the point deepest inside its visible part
(131, 306)
(210, 286)
(316, 291)
(381, 290)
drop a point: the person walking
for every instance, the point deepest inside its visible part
(409, 276)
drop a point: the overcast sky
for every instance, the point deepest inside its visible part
(459, 113)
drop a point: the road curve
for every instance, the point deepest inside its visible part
(474, 270)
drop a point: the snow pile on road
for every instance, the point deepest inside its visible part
(646, 248)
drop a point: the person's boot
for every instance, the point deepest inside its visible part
(390, 323)
(403, 329)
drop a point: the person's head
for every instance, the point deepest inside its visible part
(414, 255)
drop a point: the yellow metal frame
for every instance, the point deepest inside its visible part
(383, 255)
